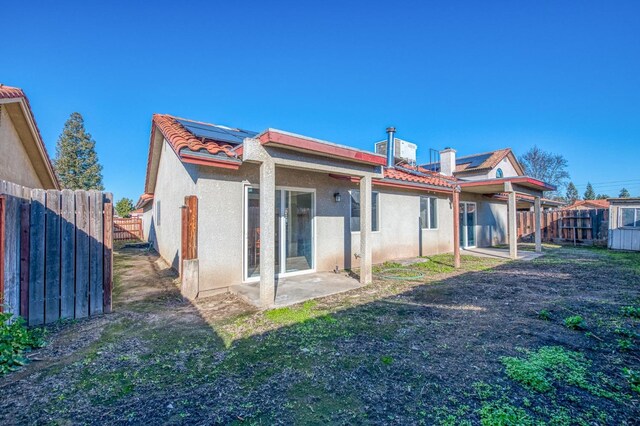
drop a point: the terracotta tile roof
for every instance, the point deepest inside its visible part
(144, 200)
(11, 92)
(420, 176)
(181, 138)
(588, 204)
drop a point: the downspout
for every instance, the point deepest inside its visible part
(391, 145)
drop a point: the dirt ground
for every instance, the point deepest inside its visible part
(491, 344)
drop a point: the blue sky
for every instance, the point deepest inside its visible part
(476, 76)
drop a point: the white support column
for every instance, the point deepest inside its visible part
(513, 228)
(366, 276)
(267, 233)
(538, 219)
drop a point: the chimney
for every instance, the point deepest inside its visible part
(447, 161)
(391, 146)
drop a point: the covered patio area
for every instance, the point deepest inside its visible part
(512, 188)
(299, 288)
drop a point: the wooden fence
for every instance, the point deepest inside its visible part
(129, 228)
(576, 226)
(56, 253)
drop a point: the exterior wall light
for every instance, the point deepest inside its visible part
(337, 197)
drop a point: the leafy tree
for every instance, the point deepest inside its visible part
(624, 193)
(589, 193)
(572, 193)
(124, 207)
(546, 166)
(602, 196)
(76, 161)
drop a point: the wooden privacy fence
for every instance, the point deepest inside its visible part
(129, 228)
(579, 226)
(55, 253)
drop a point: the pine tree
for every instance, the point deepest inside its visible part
(76, 161)
(124, 207)
(589, 194)
(572, 193)
(624, 193)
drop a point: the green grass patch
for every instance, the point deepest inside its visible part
(294, 314)
(501, 413)
(540, 369)
(630, 311)
(544, 315)
(575, 322)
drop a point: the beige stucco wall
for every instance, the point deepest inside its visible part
(15, 165)
(174, 182)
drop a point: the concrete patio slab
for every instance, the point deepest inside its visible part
(500, 253)
(299, 288)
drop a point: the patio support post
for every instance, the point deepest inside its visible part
(366, 275)
(267, 233)
(456, 227)
(513, 230)
(538, 215)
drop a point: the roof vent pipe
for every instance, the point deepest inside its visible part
(391, 145)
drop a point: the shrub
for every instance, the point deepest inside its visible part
(15, 340)
(630, 311)
(544, 315)
(575, 322)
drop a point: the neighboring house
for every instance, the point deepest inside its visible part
(587, 205)
(498, 164)
(501, 163)
(624, 224)
(24, 158)
(276, 203)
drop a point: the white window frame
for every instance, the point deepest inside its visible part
(636, 217)
(428, 216)
(377, 211)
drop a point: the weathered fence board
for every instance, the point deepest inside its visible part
(36, 258)
(52, 264)
(55, 253)
(67, 255)
(82, 254)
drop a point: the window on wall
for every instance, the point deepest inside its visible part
(157, 213)
(630, 217)
(429, 212)
(355, 211)
(499, 173)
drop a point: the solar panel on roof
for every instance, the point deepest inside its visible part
(217, 133)
(474, 161)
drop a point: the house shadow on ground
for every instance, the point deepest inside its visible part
(394, 352)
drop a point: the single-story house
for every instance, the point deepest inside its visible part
(624, 224)
(24, 158)
(273, 204)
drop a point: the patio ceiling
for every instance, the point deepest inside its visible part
(520, 184)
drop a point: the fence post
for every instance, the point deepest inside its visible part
(25, 216)
(108, 256)
(3, 201)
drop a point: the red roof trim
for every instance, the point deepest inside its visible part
(422, 187)
(523, 179)
(302, 143)
(192, 159)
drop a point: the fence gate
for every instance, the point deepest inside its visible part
(55, 253)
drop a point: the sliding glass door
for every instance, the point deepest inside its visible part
(294, 233)
(467, 225)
